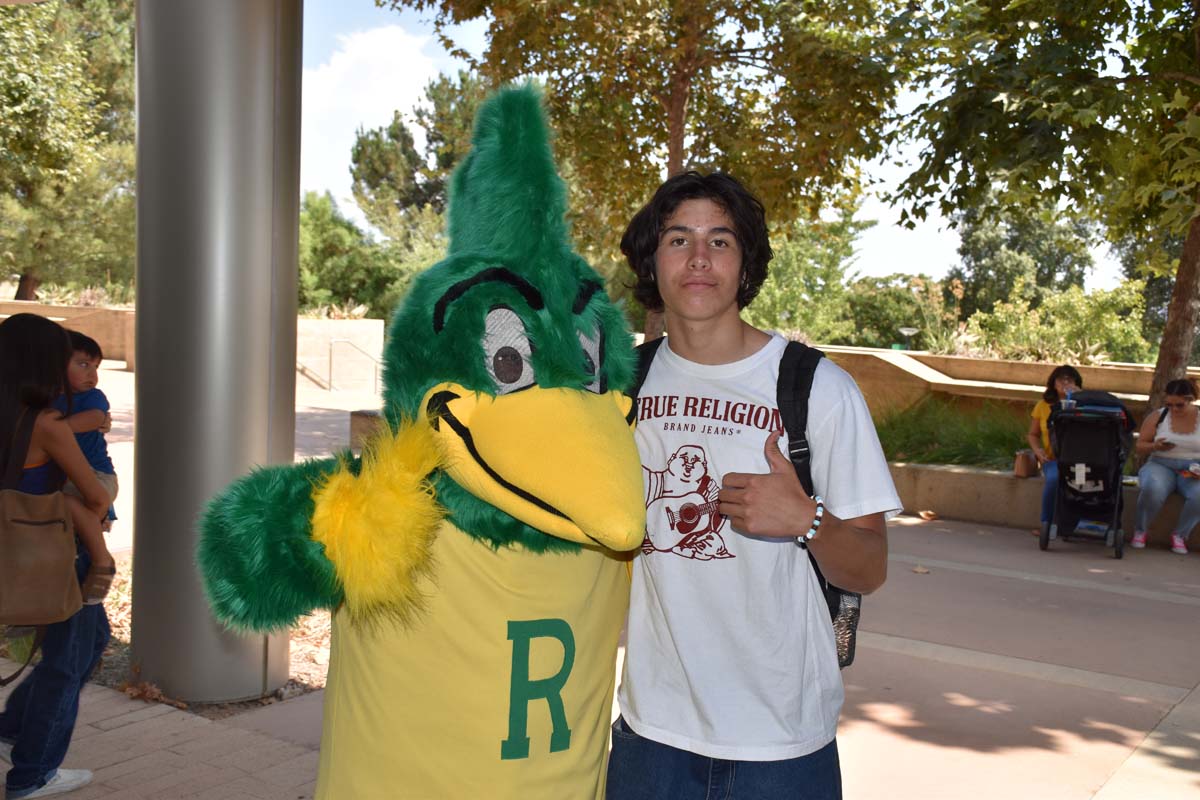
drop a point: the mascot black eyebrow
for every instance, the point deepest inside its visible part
(469, 555)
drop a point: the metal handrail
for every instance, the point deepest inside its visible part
(332, 342)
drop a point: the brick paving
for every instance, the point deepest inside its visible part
(148, 750)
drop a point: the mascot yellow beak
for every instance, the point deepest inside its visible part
(560, 460)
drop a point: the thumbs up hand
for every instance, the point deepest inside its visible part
(768, 504)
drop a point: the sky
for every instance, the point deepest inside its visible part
(361, 63)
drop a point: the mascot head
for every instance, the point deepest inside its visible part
(512, 351)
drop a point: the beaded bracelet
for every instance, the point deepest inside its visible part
(816, 523)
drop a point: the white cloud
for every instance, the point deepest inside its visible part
(369, 75)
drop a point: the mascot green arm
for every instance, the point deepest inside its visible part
(286, 540)
(260, 566)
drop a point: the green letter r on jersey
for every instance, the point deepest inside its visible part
(523, 689)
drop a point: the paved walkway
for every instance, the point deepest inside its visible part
(986, 670)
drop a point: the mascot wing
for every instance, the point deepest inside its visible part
(286, 540)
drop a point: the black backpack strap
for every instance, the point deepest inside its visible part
(796, 371)
(18, 448)
(645, 354)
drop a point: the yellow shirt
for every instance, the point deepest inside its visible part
(1041, 412)
(501, 688)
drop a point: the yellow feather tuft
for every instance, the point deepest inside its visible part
(378, 527)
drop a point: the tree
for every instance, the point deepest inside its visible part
(79, 232)
(805, 290)
(104, 30)
(66, 142)
(384, 165)
(1152, 262)
(880, 307)
(1090, 105)
(1070, 326)
(1003, 247)
(340, 265)
(392, 181)
(786, 95)
(447, 116)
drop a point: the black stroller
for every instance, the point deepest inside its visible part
(1091, 437)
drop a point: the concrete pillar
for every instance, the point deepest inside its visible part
(218, 175)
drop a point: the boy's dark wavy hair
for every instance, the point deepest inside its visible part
(640, 241)
(82, 343)
(1051, 395)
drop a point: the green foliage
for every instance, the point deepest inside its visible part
(104, 29)
(805, 289)
(48, 113)
(1091, 105)
(787, 96)
(1047, 104)
(112, 295)
(67, 209)
(384, 164)
(1152, 259)
(1069, 327)
(79, 232)
(941, 431)
(393, 183)
(340, 265)
(447, 117)
(880, 307)
(1004, 246)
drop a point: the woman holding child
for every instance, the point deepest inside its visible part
(1170, 442)
(39, 716)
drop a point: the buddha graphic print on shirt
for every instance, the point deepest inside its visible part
(684, 495)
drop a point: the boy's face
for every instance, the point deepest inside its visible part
(81, 372)
(699, 262)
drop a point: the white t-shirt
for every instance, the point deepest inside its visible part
(730, 650)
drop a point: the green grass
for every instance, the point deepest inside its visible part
(938, 431)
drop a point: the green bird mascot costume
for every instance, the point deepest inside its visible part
(469, 555)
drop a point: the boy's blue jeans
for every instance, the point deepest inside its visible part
(641, 769)
(39, 717)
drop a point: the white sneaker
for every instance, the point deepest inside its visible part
(63, 781)
(1178, 545)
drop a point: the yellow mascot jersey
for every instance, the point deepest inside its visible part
(501, 688)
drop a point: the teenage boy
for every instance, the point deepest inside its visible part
(731, 678)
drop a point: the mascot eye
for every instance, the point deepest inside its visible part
(593, 357)
(506, 351)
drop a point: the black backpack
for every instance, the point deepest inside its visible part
(796, 371)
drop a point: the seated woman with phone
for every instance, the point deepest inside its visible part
(1170, 441)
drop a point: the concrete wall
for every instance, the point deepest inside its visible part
(112, 328)
(1116, 378)
(356, 343)
(342, 351)
(991, 497)
(885, 385)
